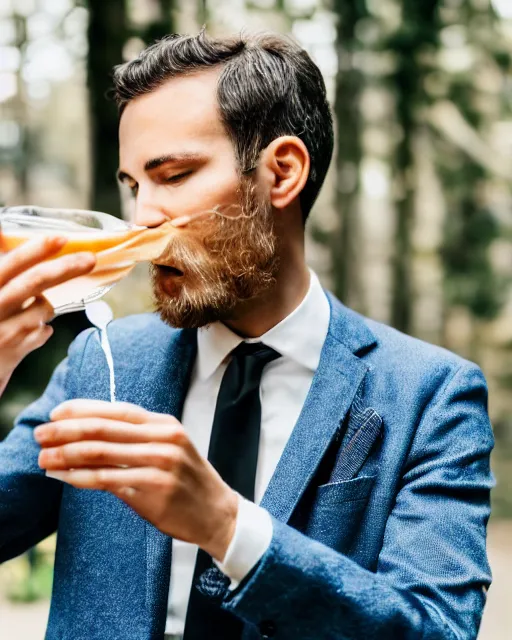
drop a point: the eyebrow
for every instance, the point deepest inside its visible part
(154, 163)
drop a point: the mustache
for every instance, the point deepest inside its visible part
(205, 247)
(226, 259)
(188, 254)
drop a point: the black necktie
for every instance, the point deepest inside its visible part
(233, 452)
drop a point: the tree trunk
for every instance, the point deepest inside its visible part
(417, 36)
(107, 34)
(349, 86)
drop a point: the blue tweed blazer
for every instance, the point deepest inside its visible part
(379, 502)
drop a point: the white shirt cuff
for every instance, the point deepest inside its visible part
(252, 537)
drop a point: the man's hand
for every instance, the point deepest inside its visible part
(164, 479)
(25, 273)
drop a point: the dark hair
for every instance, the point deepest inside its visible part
(268, 87)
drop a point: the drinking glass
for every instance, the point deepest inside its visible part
(118, 246)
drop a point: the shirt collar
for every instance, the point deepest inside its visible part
(300, 336)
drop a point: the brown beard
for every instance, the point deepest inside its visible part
(226, 260)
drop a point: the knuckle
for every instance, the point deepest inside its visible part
(3, 338)
(10, 337)
(160, 456)
(166, 483)
(101, 479)
(11, 293)
(175, 433)
(176, 460)
(46, 244)
(46, 309)
(60, 456)
(159, 478)
(95, 455)
(37, 281)
(28, 321)
(180, 436)
(95, 430)
(73, 261)
(51, 431)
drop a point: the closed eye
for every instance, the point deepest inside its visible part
(177, 178)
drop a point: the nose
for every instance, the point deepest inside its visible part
(148, 212)
(149, 217)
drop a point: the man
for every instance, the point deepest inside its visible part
(333, 472)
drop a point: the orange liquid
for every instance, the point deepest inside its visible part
(87, 241)
(117, 253)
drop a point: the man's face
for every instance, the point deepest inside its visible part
(178, 160)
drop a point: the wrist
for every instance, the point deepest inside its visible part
(223, 526)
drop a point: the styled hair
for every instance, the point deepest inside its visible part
(268, 87)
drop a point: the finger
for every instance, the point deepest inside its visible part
(62, 432)
(35, 340)
(80, 408)
(146, 479)
(108, 454)
(127, 493)
(14, 354)
(42, 277)
(28, 255)
(15, 329)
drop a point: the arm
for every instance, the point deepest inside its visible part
(432, 572)
(29, 501)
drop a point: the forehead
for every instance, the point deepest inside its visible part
(181, 114)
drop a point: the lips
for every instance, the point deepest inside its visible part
(169, 270)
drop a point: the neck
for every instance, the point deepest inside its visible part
(257, 316)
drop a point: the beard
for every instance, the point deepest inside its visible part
(224, 260)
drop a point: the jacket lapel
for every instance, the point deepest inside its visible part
(335, 385)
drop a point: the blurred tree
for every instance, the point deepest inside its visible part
(108, 32)
(347, 108)
(162, 25)
(413, 45)
(417, 45)
(107, 35)
(471, 227)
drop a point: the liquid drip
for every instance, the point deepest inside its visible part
(100, 315)
(105, 345)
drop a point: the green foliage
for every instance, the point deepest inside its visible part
(36, 582)
(414, 45)
(471, 228)
(470, 279)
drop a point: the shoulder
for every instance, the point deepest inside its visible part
(137, 333)
(394, 344)
(393, 355)
(433, 369)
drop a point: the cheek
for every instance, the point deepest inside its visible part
(207, 189)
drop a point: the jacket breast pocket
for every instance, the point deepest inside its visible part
(337, 511)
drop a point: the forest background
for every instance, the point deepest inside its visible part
(414, 224)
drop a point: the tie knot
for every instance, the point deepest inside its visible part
(256, 350)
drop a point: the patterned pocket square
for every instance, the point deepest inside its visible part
(355, 451)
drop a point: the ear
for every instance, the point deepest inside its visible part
(284, 165)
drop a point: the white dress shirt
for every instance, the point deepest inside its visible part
(285, 383)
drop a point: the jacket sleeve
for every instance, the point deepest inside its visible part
(29, 501)
(432, 575)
